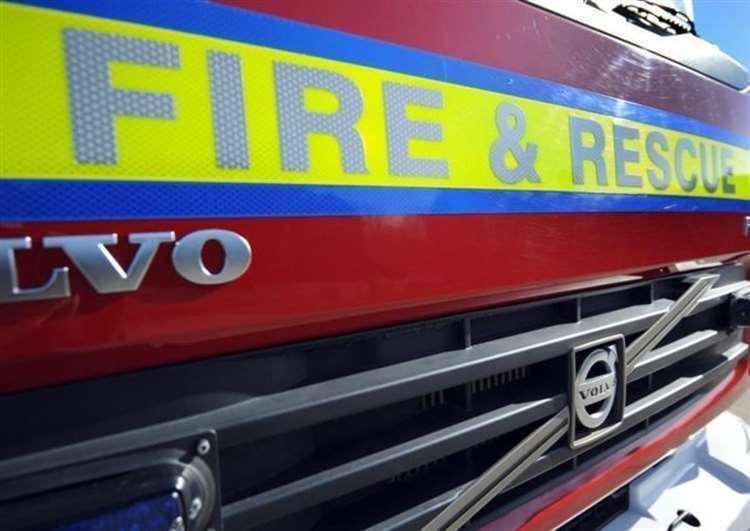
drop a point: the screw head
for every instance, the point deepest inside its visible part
(203, 447)
(195, 507)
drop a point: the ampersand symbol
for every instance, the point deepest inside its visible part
(511, 123)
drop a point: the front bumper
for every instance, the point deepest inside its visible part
(707, 477)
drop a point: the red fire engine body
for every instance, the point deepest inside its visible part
(482, 195)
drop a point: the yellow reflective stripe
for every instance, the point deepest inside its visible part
(38, 137)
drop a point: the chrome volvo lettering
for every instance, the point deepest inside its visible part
(56, 287)
(90, 255)
(188, 261)
(595, 390)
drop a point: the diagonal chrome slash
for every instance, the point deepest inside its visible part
(500, 475)
(497, 478)
(681, 307)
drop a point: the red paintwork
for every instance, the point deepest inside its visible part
(317, 276)
(562, 503)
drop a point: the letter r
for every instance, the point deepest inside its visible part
(296, 122)
(94, 103)
(581, 153)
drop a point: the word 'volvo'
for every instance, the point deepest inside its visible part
(90, 255)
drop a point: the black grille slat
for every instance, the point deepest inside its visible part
(382, 465)
(673, 352)
(321, 402)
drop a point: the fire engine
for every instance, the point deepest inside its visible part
(339, 265)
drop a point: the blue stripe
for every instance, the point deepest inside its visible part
(93, 200)
(205, 18)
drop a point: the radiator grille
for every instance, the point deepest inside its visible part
(382, 428)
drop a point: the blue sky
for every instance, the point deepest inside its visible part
(726, 23)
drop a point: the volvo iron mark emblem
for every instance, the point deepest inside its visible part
(597, 389)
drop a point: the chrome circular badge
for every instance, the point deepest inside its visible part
(595, 387)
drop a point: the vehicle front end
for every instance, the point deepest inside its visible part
(395, 265)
